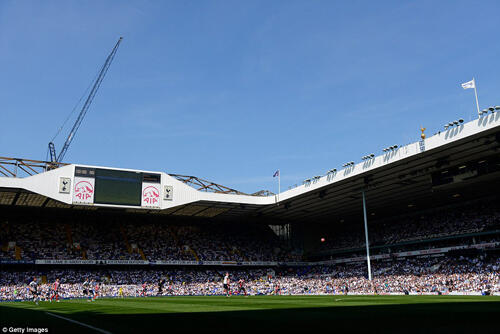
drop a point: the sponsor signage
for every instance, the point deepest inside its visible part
(83, 192)
(410, 253)
(184, 263)
(247, 263)
(85, 262)
(65, 261)
(124, 262)
(150, 195)
(16, 261)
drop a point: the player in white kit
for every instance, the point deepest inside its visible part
(34, 290)
(226, 284)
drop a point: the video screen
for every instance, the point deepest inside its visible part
(117, 187)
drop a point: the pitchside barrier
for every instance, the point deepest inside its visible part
(423, 252)
(134, 292)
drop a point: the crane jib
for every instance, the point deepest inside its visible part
(85, 108)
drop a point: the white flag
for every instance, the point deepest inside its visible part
(469, 84)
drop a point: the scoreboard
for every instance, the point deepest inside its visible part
(116, 187)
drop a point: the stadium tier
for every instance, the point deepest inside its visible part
(464, 274)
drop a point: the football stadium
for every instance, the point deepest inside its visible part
(402, 240)
(113, 249)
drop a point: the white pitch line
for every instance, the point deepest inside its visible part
(79, 323)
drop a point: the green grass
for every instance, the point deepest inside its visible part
(263, 314)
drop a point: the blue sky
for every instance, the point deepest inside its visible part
(231, 91)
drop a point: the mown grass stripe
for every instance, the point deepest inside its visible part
(79, 323)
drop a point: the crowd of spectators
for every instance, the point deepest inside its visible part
(141, 241)
(472, 218)
(117, 240)
(443, 275)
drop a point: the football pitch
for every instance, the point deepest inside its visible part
(257, 314)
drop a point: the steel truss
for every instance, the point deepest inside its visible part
(16, 167)
(204, 185)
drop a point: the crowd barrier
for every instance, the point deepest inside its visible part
(423, 252)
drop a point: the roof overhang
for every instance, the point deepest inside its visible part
(396, 180)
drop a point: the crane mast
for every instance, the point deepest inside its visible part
(85, 108)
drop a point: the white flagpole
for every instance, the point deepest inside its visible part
(475, 93)
(279, 184)
(366, 237)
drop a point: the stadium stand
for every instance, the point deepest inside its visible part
(467, 270)
(462, 274)
(433, 219)
(474, 220)
(116, 241)
(475, 223)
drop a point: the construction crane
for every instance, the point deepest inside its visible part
(85, 108)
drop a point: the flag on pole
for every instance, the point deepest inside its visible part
(277, 173)
(472, 84)
(469, 84)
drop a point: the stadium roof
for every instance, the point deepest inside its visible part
(459, 162)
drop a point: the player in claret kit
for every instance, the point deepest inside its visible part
(55, 290)
(143, 293)
(170, 288)
(277, 289)
(96, 291)
(241, 287)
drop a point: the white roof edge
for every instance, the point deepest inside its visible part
(47, 183)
